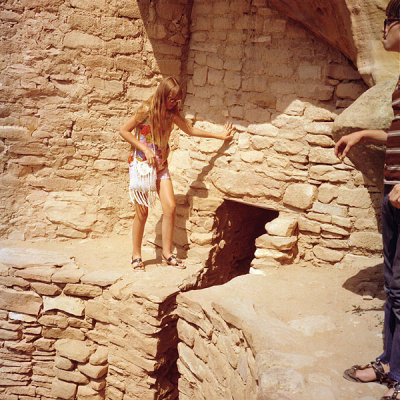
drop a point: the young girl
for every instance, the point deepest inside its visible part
(152, 123)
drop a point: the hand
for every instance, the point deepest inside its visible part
(150, 157)
(345, 143)
(228, 132)
(394, 196)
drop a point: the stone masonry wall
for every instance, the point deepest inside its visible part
(46, 345)
(71, 72)
(215, 359)
(282, 88)
(68, 333)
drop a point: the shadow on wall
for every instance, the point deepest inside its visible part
(167, 24)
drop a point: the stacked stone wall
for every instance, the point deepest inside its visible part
(215, 358)
(282, 88)
(71, 73)
(67, 333)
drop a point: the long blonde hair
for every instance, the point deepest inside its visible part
(161, 118)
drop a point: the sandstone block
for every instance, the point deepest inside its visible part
(232, 80)
(68, 304)
(26, 302)
(194, 364)
(43, 344)
(343, 222)
(57, 333)
(309, 226)
(200, 75)
(59, 321)
(329, 173)
(71, 376)
(82, 290)
(252, 156)
(98, 385)
(319, 140)
(45, 289)
(74, 350)
(42, 274)
(201, 239)
(14, 281)
(329, 209)
(69, 214)
(127, 9)
(334, 229)
(327, 254)
(342, 72)
(273, 255)
(284, 225)
(96, 310)
(366, 240)
(63, 363)
(359, 197)
(300, 195)
(23, 258)
(104, 165)
(10, 335)
(63, 390)
(100, 356)
(88, 393)
(67, 275)
(267, 241)
(350, 90)
(321, 155)
(186, 332)
(261, 143)
(263, 129)
(352, 260)
(327, 192)
(10, 326)
(76, 39)
(101, 278)
(215, 77)
(93, 371)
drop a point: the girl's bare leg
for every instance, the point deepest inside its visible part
(137, 230)
(166, 194)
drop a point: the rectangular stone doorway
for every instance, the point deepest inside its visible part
(238, 226)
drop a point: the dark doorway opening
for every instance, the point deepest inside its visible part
(238, 224)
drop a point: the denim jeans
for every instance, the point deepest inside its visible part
(391, 255)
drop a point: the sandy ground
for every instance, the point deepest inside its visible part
(353, 298)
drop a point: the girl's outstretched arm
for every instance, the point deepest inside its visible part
(189, 129)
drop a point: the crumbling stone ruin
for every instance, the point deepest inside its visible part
(72, 72)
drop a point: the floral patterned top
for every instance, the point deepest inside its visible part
(143, 133)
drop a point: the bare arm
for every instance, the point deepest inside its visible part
(344, 145)
(126, 132)
(187, 127)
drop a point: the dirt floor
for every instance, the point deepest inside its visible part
(352, 297)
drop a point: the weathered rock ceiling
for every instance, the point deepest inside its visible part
(352, 26)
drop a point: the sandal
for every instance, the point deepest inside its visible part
(173, 261)
(377, 366)
(137, 264)
(396, 386)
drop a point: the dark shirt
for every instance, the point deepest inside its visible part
(392, 159)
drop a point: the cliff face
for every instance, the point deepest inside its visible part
(354, 27)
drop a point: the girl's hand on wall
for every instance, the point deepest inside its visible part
(394, 196)
(228, 132)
